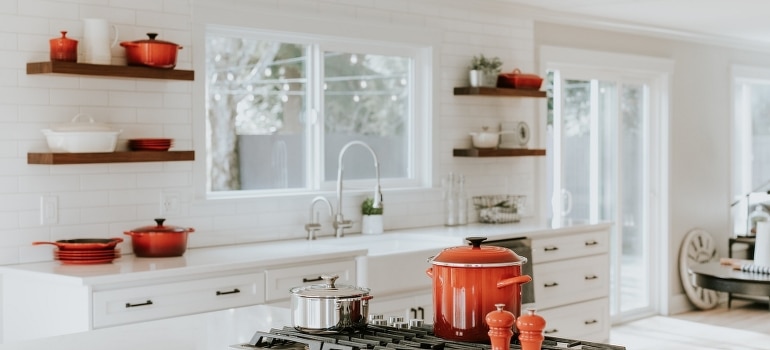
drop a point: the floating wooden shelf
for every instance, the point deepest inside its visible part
(110, 157)
(492, 91)
(498, 152)
(106, 70)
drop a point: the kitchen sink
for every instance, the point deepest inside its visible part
(395, 261)
(393, 243)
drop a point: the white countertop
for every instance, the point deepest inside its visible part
(216, 259)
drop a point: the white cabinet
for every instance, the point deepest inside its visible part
(40, 307)
(128, 305)
(571, 275)
(282, 279)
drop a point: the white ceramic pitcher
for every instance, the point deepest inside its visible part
(97, 42)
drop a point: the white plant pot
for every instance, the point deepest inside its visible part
(476, 77)
(371, 224)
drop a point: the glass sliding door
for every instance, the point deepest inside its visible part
(600, 172)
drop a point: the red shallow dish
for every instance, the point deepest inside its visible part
(517, 80)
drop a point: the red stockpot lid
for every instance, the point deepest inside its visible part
(160, 228)
(476, 255)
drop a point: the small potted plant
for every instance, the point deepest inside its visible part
(484, 70)
(371, 220)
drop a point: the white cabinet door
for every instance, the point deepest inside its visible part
(585, 321)
(127, 305)
(570, 281)
(281, 280)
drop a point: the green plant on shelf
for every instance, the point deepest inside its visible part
(486, 65)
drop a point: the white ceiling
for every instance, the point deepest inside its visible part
(724, 20)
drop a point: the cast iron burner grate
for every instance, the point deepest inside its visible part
(391, 338)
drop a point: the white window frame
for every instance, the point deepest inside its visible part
(330, 37)
(741, 128)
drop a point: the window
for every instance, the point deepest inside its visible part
(751, 145)
(280, 107)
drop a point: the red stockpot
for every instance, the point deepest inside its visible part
(151, 53)
(159, 241)
(467, 283)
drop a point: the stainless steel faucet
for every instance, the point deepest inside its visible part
(339, 220)
(314, 225)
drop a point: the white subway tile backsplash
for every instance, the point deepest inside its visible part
(107, 181)
(163, 20)
(48, 9)
(135, 99)
(102, 200)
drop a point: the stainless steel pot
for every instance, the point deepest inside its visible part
(329, 308)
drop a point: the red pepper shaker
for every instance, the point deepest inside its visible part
(500, 324)
(530, 328)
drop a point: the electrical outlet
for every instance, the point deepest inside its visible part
(170, 203)
(49, 210)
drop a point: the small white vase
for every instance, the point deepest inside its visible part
(371, 224)
(476, 77)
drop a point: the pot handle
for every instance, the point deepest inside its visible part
(514, 280)
(429, 272)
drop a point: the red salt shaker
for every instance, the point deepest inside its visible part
(530, 328)
(500, 324)
(64, 48)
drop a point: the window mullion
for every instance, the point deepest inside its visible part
(314, 144)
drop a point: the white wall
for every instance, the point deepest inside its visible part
(103, 200)
(699, 156)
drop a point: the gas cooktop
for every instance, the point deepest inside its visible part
(382, 337)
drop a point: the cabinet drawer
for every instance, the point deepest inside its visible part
(565, 282)
(280, 280)
(586, 321)
(138, 304)
(571, 246)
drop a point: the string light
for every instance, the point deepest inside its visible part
(362, 84)
(268, 72)
(356, 98)
(393, 98)
(353, 59)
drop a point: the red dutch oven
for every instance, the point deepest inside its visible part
(159, 241)
(151, 53)
(467, 283)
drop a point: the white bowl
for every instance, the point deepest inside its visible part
(485, 139)
(81, 141)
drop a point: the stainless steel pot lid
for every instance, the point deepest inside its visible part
(330, 290)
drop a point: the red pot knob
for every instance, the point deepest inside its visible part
(500, 324)
(530, 328)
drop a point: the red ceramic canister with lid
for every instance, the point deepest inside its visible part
(64, 48)
(467, 283)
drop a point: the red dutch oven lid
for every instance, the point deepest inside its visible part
(160, 228)
(476, 255)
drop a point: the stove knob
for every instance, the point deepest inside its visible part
(376, 317)
(392, 320)
(416, 323)
(403, 325)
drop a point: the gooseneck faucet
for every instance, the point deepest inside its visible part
(339, 220)
(314, 225)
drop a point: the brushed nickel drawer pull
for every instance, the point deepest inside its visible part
(591, 322)
(549, 285)
(550, 331)
(146, 303)
(592, 277)
(306, 280)
(591, 242)
(550, 248)
(234, 291)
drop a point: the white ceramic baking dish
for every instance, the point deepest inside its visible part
(81, 137)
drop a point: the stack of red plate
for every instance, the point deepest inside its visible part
(85, 250)
(150, 144)
(86, 256)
